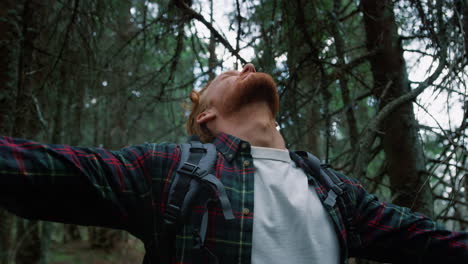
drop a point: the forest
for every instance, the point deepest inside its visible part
(376, 88)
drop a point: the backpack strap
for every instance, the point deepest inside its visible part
(193, 175)
(326, 176)
(337, 190)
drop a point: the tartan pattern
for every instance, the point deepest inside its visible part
(127, 189)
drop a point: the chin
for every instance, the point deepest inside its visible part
(256, 87)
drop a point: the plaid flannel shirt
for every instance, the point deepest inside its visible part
(127, 190)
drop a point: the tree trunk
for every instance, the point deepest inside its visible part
(461, 7)
(75, 94)
(25, 122)
(46, 234)
(29, 242)
(306, 77)
(6, 236)
(313, 138)
(403, 151)
(343, 80)
(8, 59)
(8, 64)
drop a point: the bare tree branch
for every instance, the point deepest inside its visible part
(369, 135)
(194, 14)
(65, 41)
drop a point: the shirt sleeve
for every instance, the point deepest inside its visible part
(390, 233)
(86, 186)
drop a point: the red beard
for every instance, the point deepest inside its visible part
(257, 87)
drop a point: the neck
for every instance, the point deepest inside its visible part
(255, 124)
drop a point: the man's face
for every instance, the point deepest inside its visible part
(231, 90)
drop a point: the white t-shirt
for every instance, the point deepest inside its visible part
(290, 223)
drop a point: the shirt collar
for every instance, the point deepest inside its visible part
(230, 145)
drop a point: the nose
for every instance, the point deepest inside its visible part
(249, 67)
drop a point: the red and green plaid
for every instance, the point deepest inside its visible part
(127, 190)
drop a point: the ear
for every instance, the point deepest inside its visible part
(206, 116)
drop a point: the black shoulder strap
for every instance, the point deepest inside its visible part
(326, 176)
(189, 169)
(336, 188)
(337, 191)
(196, 162)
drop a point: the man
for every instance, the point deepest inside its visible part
(280, 214)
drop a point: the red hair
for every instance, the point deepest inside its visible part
(197, 107)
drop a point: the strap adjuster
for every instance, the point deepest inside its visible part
(172, 214)
(193, 170)
(189, 168)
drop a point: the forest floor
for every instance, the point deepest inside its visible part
(79, 252)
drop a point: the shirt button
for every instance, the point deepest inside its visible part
(245, 211)
(246, 163)
(244, 145)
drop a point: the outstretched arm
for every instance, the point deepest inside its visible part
(390, 233)
(87, 186)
